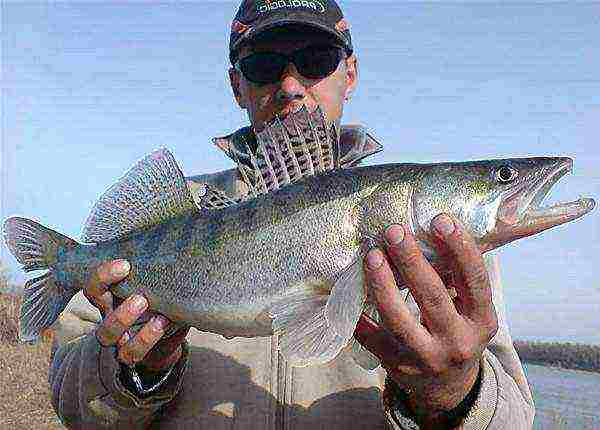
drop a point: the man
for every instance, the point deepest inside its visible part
(454, 367)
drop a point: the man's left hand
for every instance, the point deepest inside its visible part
(436, 361)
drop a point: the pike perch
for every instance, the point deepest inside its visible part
(288, 258)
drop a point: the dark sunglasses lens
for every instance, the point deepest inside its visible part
(318, 62)
(263, 68)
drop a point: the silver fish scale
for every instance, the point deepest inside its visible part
(289, 260)
(220, 270)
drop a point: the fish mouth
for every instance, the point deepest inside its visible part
(520, 213)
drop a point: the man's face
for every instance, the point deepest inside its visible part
(263, 102)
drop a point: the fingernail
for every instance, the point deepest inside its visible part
(394, 234)
(137, 303)
(160, 322)
(374, 259)
(124, 338)
(120, 268)
(443, 224)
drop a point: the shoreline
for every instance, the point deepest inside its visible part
(555, 367)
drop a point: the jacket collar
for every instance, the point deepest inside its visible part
(356, 143)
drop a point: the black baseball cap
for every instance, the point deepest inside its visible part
(257, 16)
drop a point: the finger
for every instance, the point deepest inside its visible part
(136, 349)
(394, 313)
(116, 322)
(437, 310)
(96, 290)
(104, 303)
(383, 344)
(124, 338)
(474, 294)
(162, 354)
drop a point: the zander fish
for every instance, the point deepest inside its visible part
(288, 258)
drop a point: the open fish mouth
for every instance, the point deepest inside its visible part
(520, 213)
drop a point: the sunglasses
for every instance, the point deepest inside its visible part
(312, 62)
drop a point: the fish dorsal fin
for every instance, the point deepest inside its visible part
(214, 198)
(153, 190)
(354, 144)
(285, 151)
(301, 144)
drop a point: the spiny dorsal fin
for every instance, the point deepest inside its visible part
(153, 190)
(287, 150)
(355, 144)
(214, 198)
(300, 145)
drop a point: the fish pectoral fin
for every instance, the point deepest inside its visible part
(313, 327)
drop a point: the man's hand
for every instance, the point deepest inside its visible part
(436, 360)
(146, 347)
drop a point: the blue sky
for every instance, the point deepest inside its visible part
(90, 88)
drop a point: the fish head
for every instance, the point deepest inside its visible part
(498, 201)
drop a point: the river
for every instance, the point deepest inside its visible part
(564, 399)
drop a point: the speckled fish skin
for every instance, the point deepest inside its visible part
(288, 258)
(219, 270)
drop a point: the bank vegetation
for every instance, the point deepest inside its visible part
(566, 355)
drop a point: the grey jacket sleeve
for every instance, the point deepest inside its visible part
(504, 399)
(86, 387)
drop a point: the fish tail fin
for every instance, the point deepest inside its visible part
(44, 298)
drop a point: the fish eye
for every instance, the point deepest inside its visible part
(506, 174)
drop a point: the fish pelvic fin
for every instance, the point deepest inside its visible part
(314, 327)
(152, 191)
(36, 248)
(361, 355)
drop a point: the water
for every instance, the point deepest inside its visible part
(564, 399)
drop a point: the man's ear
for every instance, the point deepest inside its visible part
(234, 81)
(351, 76)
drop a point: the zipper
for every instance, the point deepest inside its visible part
(281, 377)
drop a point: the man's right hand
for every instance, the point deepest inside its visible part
(148, 347)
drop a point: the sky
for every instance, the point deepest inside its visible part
(90, 88)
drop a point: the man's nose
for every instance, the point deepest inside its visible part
(291, 86)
